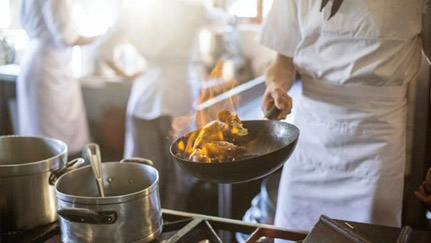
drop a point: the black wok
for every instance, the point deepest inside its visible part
(269, 144)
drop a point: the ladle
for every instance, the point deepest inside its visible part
(96, 164)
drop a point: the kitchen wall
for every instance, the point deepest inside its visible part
(259, 55)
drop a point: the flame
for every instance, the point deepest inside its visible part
(207, 106)
(215, 85)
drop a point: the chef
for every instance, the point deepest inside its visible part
(49, 99)
(355, 68)
(164, 33)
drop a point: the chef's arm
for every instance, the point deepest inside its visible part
(58, 19)
(84, 40)
(119, 71)
(279, 77)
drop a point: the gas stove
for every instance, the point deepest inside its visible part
(178, 227)
(183, 227)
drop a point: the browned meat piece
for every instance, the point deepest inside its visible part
(218, 151)
(211, 132)
(233, 122)
(214, 142)
(223, 129)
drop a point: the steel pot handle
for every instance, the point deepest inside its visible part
(138, 160)
(87, 216)
(71, 165)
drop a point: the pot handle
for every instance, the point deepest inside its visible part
(87, 216)
(71, 165)
(138, 160)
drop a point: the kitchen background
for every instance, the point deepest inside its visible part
(227, 46)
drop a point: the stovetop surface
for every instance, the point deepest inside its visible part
(182, 227)
(178, 227)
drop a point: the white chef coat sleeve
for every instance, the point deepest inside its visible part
(115, 36)
(280, 30)
(56, 14)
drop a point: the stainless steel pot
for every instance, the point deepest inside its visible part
(129, 212)
(28, 169)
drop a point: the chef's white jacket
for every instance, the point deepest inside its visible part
(350, 158)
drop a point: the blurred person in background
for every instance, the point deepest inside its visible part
(49, 98)
(350, 157)
(164, 33)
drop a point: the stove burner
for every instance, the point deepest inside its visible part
(178, 227)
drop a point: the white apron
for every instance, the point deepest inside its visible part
(354, 142)
(49, 99)
(349, 161)
(170, 82)
(164, 90)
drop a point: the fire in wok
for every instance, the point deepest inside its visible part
(231, 151)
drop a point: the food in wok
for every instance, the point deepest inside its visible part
(268, 145)
(217, 141)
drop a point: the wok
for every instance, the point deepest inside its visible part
(269, 144)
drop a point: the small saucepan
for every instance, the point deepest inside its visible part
(130, 211)
(269, 144)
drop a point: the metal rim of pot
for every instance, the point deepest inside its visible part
(36, 167)
(29, 167)
(109, 199)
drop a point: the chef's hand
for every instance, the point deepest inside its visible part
(279, 78)
(276, 96)
(424, 190)
(422, 194)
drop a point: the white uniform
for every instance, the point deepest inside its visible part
(350, 158)
(49, 99)
(163, 32)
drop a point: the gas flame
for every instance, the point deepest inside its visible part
(207, 108)
(215, 85)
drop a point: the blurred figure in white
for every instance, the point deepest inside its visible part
(164, 32)
(49, 98)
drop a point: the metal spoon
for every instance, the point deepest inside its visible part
(95, 160)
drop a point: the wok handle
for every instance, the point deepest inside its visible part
(138, 160)
(87, 216)
(71, 165)
(272, 112)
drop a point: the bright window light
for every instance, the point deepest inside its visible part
(5, 18)
(93, 17)
(243, 8)
(248, 8)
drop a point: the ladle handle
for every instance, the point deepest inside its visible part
(138, 160)
(96, 163)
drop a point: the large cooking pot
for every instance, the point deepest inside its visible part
(28, 170)
(129, 212)
(269, 144)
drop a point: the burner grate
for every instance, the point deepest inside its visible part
(182, 227)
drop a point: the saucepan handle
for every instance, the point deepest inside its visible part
(138, 160)
(88, 216)
(71, 165)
